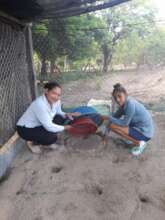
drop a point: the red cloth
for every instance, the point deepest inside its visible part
(82, 127)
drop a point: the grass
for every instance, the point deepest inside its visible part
(156, 107)
(71, 76)
(98, 82)
(66, 77)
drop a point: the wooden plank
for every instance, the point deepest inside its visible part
(31, 69)
(8, 152)
(8, 145)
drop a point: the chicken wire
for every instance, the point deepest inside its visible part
(15, 77)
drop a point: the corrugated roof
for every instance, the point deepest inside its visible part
(42, 9)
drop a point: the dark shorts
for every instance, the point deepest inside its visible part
(137, 135)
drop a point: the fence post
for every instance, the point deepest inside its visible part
(29, 52)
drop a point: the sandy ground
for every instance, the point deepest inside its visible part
(89, 181)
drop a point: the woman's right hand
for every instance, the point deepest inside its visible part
(67, 127)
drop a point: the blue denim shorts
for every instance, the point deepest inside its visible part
(137, 135)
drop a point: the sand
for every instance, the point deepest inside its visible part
(87, 180)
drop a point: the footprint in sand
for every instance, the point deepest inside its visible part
(56, 169)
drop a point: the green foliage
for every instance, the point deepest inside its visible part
(124, 24)
(128, 50)
(126, 35)
(69, 76)
(69, 37)
(82, 43)
(154, 49)
(148, 51)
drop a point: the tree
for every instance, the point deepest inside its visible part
(67, 38)
(153, 53)
(128, 50)
(119, 23)
(82, 45)
(117, 35)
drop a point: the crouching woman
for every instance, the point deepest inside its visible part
(132, 120)
(43, 119)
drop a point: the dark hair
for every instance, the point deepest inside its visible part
(51, 85)
(118, 88)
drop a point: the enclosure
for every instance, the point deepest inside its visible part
(40, 41)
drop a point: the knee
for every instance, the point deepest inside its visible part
(113, 126)
(58, 119)
(50, 139)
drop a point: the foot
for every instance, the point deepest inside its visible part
(136, 151)
(103, 130)
(61, 138)
(34, 148)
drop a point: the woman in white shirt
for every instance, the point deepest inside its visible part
(44, 119)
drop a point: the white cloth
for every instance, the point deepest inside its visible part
(93, 102)
(41, 113)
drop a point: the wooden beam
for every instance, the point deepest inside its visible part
(7, 18)
(9, 143)
(81, 10)
(59, 5)
(8, 152)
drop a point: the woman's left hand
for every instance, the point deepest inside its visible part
(71, 115)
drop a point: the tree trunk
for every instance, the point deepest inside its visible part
(107, 60)
(66, 64)
(51, 67)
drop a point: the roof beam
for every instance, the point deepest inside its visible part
(56, 6)
(81, 10)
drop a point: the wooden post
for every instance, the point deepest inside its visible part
(29, 52)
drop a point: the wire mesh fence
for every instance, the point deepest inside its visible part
(15, 80)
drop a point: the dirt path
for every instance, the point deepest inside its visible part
(89, 181)
(148, 87)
